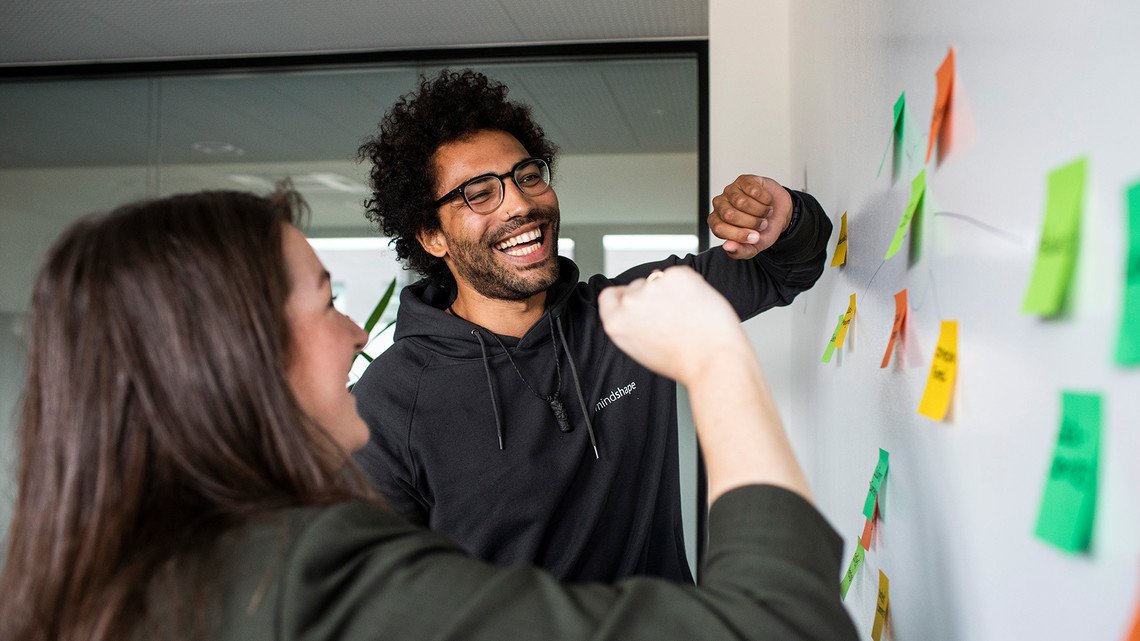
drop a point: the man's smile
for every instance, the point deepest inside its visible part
(521, 244)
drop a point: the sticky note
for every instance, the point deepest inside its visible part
(1057, 250)
(897, 131)
(868, 530)
(1069, 502)
(846, 322)
(876, 482)
(840, 257)
(831, 344)
(1134, 635)
(945, 78)
(882, 605)
(943, 370)
(897, 328)
(917, 195)
(852, 570)
(1128, 339)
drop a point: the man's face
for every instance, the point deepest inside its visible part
(484, 250)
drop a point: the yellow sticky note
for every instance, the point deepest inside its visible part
(839, 338)
(943, 369)
(882, 605)
(840, 257)
(827, 353)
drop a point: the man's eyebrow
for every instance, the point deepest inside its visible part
(325, 277)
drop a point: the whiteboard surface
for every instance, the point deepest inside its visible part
(1037, 85)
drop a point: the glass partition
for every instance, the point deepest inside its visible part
(627, 128)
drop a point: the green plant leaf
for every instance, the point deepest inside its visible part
(380, 307)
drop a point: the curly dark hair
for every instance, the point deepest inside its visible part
(449, 107)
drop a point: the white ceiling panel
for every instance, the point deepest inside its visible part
(607, 19)
(36, 31)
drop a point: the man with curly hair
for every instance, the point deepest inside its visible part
(503, 416)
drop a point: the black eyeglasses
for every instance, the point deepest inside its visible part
(483, 194)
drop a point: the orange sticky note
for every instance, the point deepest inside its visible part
(943, 370)
(897, 329)
(945, 78)
(868, 530)
(846, 322)
(1134, 635)
(840, 257)
(882, 605)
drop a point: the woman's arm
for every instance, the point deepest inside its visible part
(678, 326)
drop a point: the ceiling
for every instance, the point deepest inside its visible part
(627, 106)
(586, 107)
(53, 31)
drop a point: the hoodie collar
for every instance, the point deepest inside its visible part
(423, 314)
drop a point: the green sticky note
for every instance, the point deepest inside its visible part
(831, 344)
(897, 131)
(852, 570)
(1069, 502)
(917, 196)
(1128, 340)
(876, 482)
(1057, 251)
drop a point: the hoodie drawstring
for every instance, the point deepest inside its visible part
(577, 386)
(573, 374)
(490, 387)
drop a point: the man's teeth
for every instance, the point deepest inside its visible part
(522, 251)
(518, 240)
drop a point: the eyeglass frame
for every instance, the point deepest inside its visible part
(461, 189)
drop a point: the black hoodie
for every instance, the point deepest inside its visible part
(459, 443)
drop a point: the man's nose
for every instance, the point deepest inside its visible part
(515, 202)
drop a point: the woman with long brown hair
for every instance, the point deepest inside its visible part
(184, 468)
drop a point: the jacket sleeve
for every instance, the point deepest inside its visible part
(386, 459)
(357, 573)
(772, 278)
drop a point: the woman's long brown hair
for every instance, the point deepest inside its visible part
(156, 412)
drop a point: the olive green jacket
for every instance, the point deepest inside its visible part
(353, 572)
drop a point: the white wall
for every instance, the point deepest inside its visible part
(1043, 83)
(749, 133)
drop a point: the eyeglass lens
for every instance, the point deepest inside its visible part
(485, 194)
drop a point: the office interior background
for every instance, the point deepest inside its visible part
(658, 105)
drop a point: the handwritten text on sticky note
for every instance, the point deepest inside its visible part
(1057, 249)
(831, 343)
(848, 316)
(1128, 339)
(917, 196)
(1069, 502)
(942, 101)
(898, 328)
(882, 606)
(943, 371)
(852, 570)
(840, 257)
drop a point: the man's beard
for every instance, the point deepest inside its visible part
(475, 261)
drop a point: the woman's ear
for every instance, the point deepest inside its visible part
(433, 242)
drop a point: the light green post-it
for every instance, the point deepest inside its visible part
(876, 483)
(1128, 340)
(917, 193)
(852, 570)
(1069, 502)
(831, 344)
(1057, 251)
